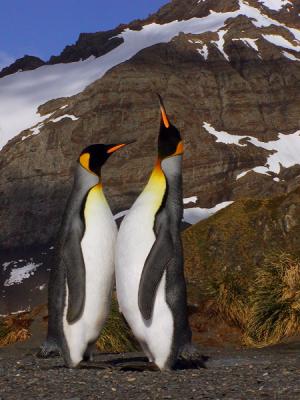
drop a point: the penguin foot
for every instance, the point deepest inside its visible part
(48, 349)
(190, 358)
(88, 354)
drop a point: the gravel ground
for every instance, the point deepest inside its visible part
(271, 373)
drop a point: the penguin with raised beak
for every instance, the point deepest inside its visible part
(150, 281)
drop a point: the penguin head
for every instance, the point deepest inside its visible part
(169, 140)
(93, 157)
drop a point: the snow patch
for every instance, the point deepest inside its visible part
(285, 150)
(72, 117)
(16, 312)
(189, 200)
(280, 41)
(17, 275)
(37, 129)
(203, 51)
(290, 56)
(239, 176)
(248, 42)
(196, 214)
(224, 137)
(276, 5)
(220, 43)
(7, 264)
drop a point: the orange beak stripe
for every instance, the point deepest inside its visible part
(164, 117)
(115, 148)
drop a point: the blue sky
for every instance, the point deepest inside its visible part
(44, 28)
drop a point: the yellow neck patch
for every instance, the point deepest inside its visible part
(157, 181)
(93, 201)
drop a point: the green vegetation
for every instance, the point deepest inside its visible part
(244, 264)
(14, 330)
(116, 336)
(266, 308)
(275, 301)
(228, 294)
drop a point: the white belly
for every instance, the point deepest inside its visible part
(98, 244)
(134, 242)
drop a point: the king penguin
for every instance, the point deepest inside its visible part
(150, 281)
(80, 284)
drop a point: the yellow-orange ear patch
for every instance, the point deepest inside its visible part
(85, 161)
(180, 148)
(164, 117)
(115, 148)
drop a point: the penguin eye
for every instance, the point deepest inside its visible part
(85, 161)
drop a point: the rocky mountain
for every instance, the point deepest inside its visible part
(26, 63)
(229, 73)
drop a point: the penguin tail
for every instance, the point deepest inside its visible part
(49, 349)
(190, 357)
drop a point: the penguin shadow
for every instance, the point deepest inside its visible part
(197, 363)
(141, 364)
(83, 365)
(130, 364)
(133, 364)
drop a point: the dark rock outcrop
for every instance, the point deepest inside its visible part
(26, 63)
(89, 44)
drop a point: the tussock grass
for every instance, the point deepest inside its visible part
(14, 330)
(275, 301)
(14, 336)
(116, 336)
(228, 293)
(265, 305)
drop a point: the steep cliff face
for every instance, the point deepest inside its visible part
(230, 82)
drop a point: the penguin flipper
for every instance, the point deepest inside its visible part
(155, 265)
(75, 273)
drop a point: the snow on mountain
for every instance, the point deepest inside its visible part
(37, 129)
(275, 4)
(22, 92)
(285, 151)
(281, 42)
(196, 214)
(249, 42)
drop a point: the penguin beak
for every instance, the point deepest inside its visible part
(164, 117)
(116, 147)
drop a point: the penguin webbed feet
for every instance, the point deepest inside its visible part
(49, 349)
(89, 353)
(190, 357)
